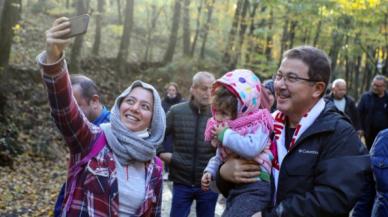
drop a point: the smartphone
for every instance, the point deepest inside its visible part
(78, 25)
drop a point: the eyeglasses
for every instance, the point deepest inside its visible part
(291, 78)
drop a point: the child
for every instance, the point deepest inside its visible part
(239, 127)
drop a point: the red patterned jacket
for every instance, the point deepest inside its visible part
(96, 189)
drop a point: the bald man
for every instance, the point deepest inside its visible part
(186, 123)
(344, 103)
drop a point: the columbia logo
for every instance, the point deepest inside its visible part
(304, 151)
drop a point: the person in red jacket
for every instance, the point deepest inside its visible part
(113, 170)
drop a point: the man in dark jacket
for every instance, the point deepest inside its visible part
(344, 103)
(374, 203)
(373, 109)
(320, 164)
(186, 122)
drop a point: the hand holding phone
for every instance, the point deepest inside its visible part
(58, 36)
(78, 25)
(56, 39)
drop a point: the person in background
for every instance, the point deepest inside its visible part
(172, 97)
(268, 85)
(88, 99)
(113, 170)
(317, 170)
(186, 122)
(344, 103)
(373, 110)
(374, 202)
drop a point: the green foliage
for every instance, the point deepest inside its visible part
(115, 29)
(360, 21)
(42, 6)
(61, 11)
(181, 71)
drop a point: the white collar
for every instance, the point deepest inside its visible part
(143, 133)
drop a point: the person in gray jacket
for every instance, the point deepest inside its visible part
(186, 122)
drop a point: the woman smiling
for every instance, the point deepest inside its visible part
(113, 170)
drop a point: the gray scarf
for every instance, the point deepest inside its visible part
(126, 144)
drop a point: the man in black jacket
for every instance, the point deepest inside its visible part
(344, 103)
(186, 122)
(373, 109)
(320, 164)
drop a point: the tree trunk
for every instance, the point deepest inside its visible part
(154, 17)
(206, 28)
(186, 28)
(10, 15)
(3, 99)
(120, 16)
(350, 80)
(337, 38)
(348, 62)
(230, 45)
(67, 3)
(353, 68)
(385, 68)
(292, 33)
(122, 55)
(76, 48)
(357, 90)
(306, 35)
(317, 33)
(174, 33)
(268, 44)
(193, 45)
(243, 27)
(1, 8)
(369, 66)
(376, 58)
(251, 37)
(254, 47)
(283, 43)
(97, 38)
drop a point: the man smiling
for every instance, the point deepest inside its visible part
(320, 163)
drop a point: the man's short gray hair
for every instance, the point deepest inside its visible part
(380, 78)
(338, 81)
(199, 76)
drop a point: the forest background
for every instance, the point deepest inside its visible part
(160, 41)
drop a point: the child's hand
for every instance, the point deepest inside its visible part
(215, 142)
(205, 181)
(220, 128)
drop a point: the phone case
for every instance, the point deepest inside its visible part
(78, 25)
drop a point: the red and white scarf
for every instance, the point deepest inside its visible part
(279, 149)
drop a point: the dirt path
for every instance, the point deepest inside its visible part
(32, 187)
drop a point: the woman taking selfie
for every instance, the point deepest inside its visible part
(113, 170)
